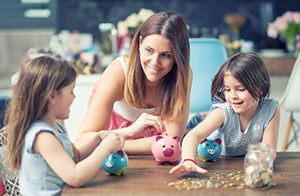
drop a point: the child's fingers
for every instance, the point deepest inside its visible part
(176, 169)
(201, 171)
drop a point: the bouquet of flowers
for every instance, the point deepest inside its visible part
(128, 27)
(133, 21)
(288, 26)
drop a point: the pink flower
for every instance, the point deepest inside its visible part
(287, 25)
(296, 17)
(288, 17)
(298, 42)
(281, 24)
(272, 31)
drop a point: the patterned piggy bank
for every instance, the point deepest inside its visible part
(166, 149)
(209, 149)
(115, 163)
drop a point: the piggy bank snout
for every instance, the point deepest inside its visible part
(113, 160)
(211, 151)
(168, 152)
(109, 164)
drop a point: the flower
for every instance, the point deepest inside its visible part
(297, 51)
(133, 21)
(287, 25)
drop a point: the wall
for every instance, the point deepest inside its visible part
(201, 15)
(14, 46)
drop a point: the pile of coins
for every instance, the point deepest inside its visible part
(218, 180)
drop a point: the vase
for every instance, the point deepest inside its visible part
(290, 46)
(235, 34)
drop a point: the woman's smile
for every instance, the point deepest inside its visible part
(153, 69)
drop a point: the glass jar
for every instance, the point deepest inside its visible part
(258, 166)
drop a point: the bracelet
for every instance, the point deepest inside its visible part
(192, 160)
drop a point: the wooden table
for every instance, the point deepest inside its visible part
(143, 177)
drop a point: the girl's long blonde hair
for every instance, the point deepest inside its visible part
(174, 92)
(37, 78)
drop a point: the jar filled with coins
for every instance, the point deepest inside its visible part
(258, 165)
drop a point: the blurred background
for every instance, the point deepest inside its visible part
(31, 23)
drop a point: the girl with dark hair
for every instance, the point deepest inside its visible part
(244, 116)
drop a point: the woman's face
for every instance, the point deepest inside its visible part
(156, 56)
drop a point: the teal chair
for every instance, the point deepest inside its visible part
(206, 57)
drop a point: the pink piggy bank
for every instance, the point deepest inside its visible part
(166, 149)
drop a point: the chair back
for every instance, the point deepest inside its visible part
(290, 99)
(206, 57)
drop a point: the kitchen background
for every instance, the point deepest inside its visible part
(21, 27)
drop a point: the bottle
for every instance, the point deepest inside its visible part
(258, 166)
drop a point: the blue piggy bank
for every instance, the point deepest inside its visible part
(115, 163)
(209, 149)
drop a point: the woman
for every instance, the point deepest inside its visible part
(152, 84)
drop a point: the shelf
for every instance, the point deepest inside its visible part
(280, 66)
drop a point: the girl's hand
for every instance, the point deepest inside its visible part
(113, 142)
(187, 166)
(146, 123)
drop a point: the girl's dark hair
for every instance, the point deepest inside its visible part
(249, 69)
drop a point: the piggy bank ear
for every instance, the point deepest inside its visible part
(219, 141)
(158, 137)
(120, 152)
(203, 141)
(176, 138)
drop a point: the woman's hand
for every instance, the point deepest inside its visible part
(187, 166)
(144, 124)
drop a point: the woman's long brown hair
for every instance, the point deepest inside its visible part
(174, 92)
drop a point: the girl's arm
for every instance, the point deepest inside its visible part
(270, 135)
(213, 121)
(84, 149)
(75, 174)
